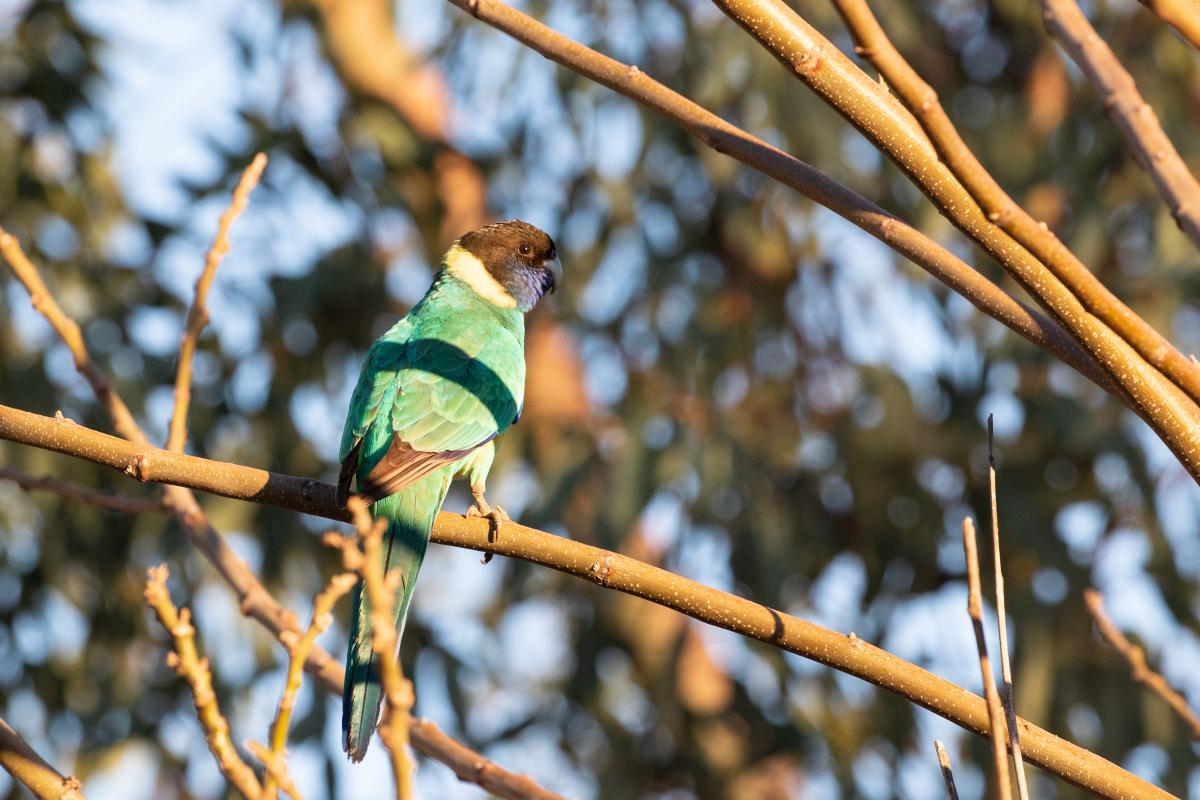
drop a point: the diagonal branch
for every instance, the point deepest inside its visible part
(816, 61)
(1136, 657)
(848, 654)
(197, 316)
(253, 598)
(1182, 15)
(185, 659)
(1000, 208)
(1132, 114)
(726, 138)
(73, 491)
(23, 763)
(947, 771)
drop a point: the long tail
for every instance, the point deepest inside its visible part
(410, 513)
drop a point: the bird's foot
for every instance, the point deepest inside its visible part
(498, 517)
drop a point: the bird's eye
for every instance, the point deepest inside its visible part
(553, 254)
(525, 249)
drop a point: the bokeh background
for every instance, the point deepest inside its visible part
(732, 383)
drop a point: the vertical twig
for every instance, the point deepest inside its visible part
(947, 773)
(298, 648)
(1010, 703)
(995, 712)
(366, 558)
(186, 660)
(32, 771)
(1136, 657)
(198, 314)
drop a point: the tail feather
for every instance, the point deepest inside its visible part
(410, 514)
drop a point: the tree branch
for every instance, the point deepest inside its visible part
(1182, 15)
(1136, 657)
(1000, 208)
(947, 772)
(1133, 115)
(73, 491)
(185, 659)
(1008, 697)
(25, 765)
(298, 648)
(995, 711)
(197, 316)
(726, 138)
(813, 58)
(848, 654)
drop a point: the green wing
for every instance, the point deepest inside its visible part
(424, 402)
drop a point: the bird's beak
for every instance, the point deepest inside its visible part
(554, 272)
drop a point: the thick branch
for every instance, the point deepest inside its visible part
(197, 316)
(726, 138)
(846, 653)
(1133, 115)
(1001, 209)
(23, 763)
(813, 58)
(1139, 669)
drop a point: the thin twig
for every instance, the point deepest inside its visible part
(32, 771)
(1010, 703)
(185, 660)
(278, 777)
(73, 491)
(1132, 114)
(1136, 658)
(298, 648)
(253, 598)
(68, 330)
(947, 773)
(365, 555)
(603, 567)
(1001, 209)
(1182, 15)
(197, 316)
(994, 709)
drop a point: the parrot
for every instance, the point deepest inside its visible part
(434, 393)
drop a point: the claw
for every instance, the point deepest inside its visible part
(496, 515)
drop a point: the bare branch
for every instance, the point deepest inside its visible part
(848, 654)
(68, 330)
(1182, 15)
(1129, 111)
(865, 103)
(185, 659)
(381, 591)
(298, 648)
(31, 770)
(1136, 657)
(947, 772)
(994, 710)
(726, 138)
(73, 491)
(197, 316)
(1000, 208)
(278, 777)
(1010, 702)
